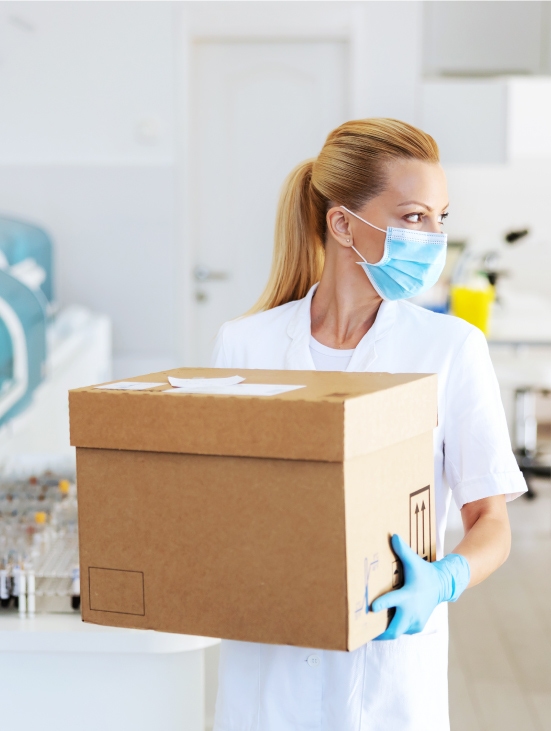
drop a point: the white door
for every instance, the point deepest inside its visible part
(258, 109)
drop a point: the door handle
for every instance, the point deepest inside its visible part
(202, 273)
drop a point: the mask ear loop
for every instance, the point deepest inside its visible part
(363, 220)
(369, 224)
(360, 255)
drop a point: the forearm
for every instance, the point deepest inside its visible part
(487, 539)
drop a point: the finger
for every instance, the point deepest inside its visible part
(402, 549)
(396, 628)
(390, 599)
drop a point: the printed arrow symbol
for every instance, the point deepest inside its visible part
(423, 521)
(417, 529)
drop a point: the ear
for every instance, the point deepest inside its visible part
(338, 225)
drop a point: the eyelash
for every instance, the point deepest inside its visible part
(443, 217)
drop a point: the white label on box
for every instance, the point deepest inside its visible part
(204, 382)
(130, 386)
(240, 389)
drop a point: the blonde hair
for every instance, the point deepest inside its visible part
(349, 171)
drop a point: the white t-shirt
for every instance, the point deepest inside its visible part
(329, 359)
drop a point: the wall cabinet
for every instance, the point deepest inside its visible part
(471, 38)
(493, 120)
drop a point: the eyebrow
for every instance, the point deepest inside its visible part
(418, 203)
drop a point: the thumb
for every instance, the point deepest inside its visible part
(388, 600)
(398, 626)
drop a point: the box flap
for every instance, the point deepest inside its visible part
(334, 417)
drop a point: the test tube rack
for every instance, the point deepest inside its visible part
(39, 545)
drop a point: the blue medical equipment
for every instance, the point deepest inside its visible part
(26, 295)
(20, 241)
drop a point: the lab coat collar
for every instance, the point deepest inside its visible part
(300, 328)
(298, 356)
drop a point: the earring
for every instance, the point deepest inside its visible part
(348, 241)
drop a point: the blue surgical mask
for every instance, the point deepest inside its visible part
(412, 261)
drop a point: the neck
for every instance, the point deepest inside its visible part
(345, 304)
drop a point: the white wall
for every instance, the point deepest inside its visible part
(89, 129)
(388, 74)
(493, 120)
(87, 150)
(88, 136)
(113, 233)
(89, 133)
(489, 200)
(81, 82)
(392, 61)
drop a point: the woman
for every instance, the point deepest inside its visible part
(359, 230)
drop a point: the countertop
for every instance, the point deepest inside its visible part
(68, 633)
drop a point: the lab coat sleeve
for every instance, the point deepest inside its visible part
(219, 358)
(478, 459)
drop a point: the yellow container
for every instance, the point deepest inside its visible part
(473, 305)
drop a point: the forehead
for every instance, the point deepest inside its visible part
(417, 180)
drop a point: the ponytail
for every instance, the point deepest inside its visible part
(298, 256)
(350, 170)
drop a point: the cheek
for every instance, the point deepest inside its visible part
(375, 248)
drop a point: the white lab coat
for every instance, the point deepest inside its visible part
(398, 685)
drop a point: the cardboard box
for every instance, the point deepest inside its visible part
(264, 519)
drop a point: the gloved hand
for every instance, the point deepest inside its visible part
(425, 586)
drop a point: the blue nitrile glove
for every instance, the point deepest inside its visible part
(425, 586)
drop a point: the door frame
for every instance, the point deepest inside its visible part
(354, 23)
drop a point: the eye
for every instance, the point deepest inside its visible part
(442, 217)
(414, 217)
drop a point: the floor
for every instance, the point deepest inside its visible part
(500, 633)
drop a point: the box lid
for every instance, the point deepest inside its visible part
(336, 416)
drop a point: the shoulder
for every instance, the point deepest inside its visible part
(242, 342)
(269, 322)
(444, 344)
(446, 330)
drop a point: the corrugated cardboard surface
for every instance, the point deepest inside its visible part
(382, 491)
(250, 549)
(336, 417)
(275, 551)
(257, 519)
